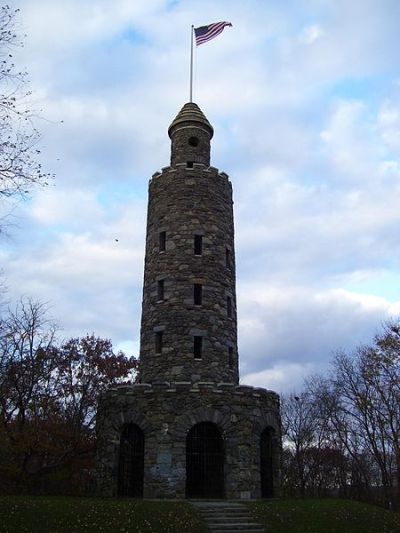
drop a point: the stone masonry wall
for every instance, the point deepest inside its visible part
(185, 202)
(189, 201)
(197, 152)
(166, 411)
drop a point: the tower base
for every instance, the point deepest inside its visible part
(200, 440)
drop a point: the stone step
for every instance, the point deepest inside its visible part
(230, 512)
(227, 512)
(225, 517)
(254, 528)
(217, 504)
(236, 510)
(241, 530)
(213, 518)
(228, 519)
(235, 526)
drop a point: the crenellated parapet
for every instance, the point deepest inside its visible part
(165, 411)
(187, 386)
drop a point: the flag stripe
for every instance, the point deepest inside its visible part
(206, 33)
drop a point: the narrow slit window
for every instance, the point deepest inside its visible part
(158, 341)
(160, 289)
(197, 294)
(227, 258)
(162, 241)
(198, 244)
(229, 306)
(197, 346)
(230, 357)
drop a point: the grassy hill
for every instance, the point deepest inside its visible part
(30, 514)
(324, 516)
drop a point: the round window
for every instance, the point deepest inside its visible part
(193, 141)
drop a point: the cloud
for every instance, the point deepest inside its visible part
(295, 325)
(389, 120)
(312, 33)
(87, 264)
(349, 140)
(305, 107)
(55, 206)
(284, 377)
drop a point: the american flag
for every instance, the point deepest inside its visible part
(206, 33)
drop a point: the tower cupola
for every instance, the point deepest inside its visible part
(190, 135)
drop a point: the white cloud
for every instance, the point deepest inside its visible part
(303, 326)
(55, 206)
(311, 33)
(349, 139)
(92, 276)
(306, 116)
(284, 377)
(389, 122)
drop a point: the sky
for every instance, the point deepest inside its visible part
(304, 98)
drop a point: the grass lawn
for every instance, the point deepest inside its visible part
(324, 516)
(22, 514)
(34, 514)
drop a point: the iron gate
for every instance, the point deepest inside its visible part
(131, 462)
(267, 477)
(204, 462)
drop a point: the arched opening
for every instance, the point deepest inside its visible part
(204, 462)
(131, 462)
(266, 462)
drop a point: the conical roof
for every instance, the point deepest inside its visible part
(191, 114)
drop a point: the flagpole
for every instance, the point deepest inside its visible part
(191, 64)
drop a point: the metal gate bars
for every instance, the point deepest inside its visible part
(267, 479)
(204, 462)
(131, 462)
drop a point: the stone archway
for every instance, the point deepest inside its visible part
(205, 457)
(266, 462)
(131, 462)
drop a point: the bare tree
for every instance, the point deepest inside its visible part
(367, 385)
(382, 367)
(20, 168)
(27, 364)
(341, 435)
(343, 431)
(299, 430)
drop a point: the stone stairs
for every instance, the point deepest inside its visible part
(227, 517)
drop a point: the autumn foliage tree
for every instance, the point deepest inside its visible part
(48, 397)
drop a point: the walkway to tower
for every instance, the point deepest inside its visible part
(227, 517)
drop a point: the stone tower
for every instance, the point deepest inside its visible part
(189, 300)
(188, 428)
